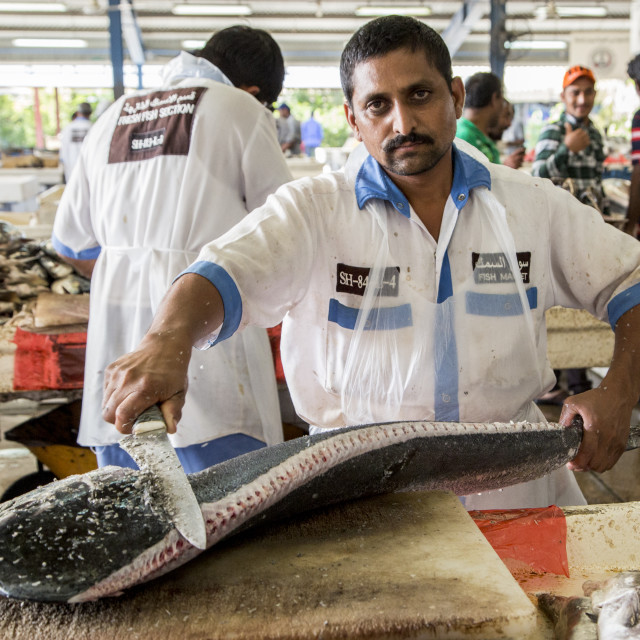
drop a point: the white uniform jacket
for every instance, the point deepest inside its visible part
(162, 173)
(71, 139)
(306, 254)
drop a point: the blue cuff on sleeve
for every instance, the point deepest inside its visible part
(67, 252)
(622, 303)
(228, 291)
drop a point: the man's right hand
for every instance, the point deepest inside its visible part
(515, 159)
(575, 139)
(156, 372)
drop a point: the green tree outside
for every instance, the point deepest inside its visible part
(327, 105)
(17, 114)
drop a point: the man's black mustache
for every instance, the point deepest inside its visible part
(412, 138)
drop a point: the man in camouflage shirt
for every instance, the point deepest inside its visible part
(572, 147)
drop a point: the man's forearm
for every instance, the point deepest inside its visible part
(624, 370)
(83, 267)
(191, 310)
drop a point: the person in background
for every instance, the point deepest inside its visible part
(633, 211)
(288, 131)
(312, 134)
(514, 158)
(138, 210)
(483, 108)
(72, 137)
(573, 148)
(412, 284)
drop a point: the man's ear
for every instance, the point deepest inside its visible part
(351, 119)
(253, 89)
(457, 91)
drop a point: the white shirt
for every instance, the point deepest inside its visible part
(145, 209)
(315, 246)
(71, 139)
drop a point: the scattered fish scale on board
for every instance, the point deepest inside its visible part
(28, 268)
(95, 535)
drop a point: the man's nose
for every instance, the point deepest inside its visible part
(403, 120)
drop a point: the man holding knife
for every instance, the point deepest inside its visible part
(413, 284)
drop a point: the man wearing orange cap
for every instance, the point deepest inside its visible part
(572, 147)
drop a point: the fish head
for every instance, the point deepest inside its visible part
(62, 538)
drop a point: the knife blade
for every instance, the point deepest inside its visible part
(150, 447)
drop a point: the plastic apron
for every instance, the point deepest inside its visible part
(232, 388)
(420, 370)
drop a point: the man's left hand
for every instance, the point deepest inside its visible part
(606, 419)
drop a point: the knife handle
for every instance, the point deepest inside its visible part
(150, 419)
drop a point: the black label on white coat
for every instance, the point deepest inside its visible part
(493, 268)
(355, 279)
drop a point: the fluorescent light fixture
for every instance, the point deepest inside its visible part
(369, 11)
(581, 12)
(59, 43)
(536, 44)
(211, 10)
(193, 44)
(23, 7)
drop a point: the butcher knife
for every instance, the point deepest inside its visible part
(150, 447)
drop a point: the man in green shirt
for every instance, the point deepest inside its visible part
(483, 107)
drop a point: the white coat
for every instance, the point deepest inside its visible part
(449, 337)
(145, 209)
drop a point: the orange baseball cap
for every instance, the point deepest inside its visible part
(577, 72)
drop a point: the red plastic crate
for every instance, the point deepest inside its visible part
(49, 360)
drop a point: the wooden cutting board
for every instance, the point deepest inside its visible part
(411, 565)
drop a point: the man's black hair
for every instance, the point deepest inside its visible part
(479, 89)
(85, 109)
(389, 33)
(633, 69)
(248, 57)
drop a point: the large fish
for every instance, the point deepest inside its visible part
(94, 535)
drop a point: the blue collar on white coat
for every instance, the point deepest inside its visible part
(372, 181)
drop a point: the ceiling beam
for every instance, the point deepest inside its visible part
(461, 25)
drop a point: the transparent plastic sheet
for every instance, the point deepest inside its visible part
(371, 372)
(498, 218)
(384, 366)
